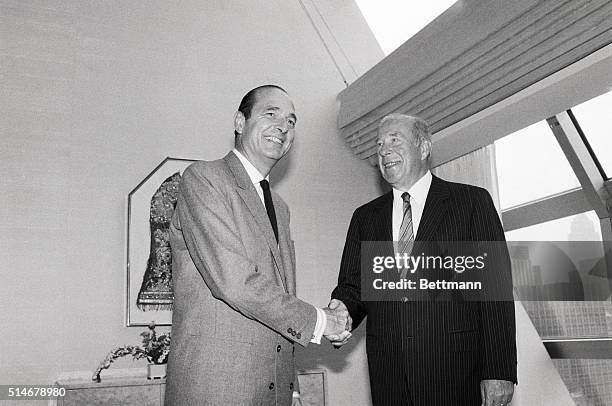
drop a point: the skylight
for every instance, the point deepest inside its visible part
(393, 22)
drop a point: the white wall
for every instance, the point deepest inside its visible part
(96, 95)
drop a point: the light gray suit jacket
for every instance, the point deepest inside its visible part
(235, 317)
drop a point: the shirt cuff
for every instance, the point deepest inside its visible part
(319, 327)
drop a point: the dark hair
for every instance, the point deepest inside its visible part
(249, 100)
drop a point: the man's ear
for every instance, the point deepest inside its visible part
(425, 149)
(239, 122)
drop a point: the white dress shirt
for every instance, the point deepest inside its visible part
(418, 195)
(253, 173)
(257, 177)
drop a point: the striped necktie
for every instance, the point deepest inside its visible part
(405, 241)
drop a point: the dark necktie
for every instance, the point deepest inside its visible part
(265, 186)
(406, 233)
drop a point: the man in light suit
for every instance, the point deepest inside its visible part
(236, 317)
(429, 353)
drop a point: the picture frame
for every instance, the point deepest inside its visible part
(150, 204)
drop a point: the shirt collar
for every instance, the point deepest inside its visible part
(253, 173)
(418, 191)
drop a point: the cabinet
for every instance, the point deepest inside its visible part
(134, 388)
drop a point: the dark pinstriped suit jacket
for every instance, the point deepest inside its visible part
(431, 353)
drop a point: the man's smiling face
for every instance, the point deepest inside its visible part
(402, 160)
(267, 135)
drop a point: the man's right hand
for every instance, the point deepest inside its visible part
(339, 323)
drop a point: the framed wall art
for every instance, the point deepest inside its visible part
(149, 296)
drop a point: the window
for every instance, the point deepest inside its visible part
(588, 380)
(590, 315)
(593, 119)
(531, 165)
(393, 22)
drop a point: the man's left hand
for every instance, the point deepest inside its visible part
(496, 392)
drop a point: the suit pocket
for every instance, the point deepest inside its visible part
(465, 340)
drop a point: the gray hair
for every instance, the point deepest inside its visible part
(420, 127)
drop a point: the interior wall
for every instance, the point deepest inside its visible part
(96, 95)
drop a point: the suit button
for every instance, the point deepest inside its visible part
(404, 299)
(278, 348)
(291, 386)
(298, 336)
(293, 333)
(271, 386)
(289, 330)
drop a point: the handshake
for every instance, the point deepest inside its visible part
(339, 323)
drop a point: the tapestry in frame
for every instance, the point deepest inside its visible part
(149, 296)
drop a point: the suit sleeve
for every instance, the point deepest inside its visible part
(349, 278)
(498, 326)
(211, 236)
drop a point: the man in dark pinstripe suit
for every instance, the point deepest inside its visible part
(427, 353)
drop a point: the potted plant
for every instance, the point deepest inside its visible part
(154, 349)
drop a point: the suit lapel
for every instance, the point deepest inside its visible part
(383, 224)
(383, 212)
(249, 195)
(435, 209)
